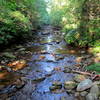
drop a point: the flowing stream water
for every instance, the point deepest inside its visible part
(50, 56)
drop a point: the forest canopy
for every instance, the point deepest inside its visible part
(17, 18)
(79, 19)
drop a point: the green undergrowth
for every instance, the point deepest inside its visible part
(13, 24)
(96, 48)
(94, 67)
(19, 17)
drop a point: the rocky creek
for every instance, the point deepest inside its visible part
(48, 75)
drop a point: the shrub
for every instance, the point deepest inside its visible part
(13, 24)
(94, 67)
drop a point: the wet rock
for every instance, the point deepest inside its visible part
(63, 98)
(2, 62)
(24, 71)
(95, 90)
(41, 57)
(77, 94)
(2, 67)
(36, 76)
(96, 83)
(59, 57)
(78, 59)
(19, 46)
(82, 52)
(43, 52)
(4, 74)
(19, 84)
(39, 79)
(87, 56)
(68, 85)
(3, 96)
(9, 55)
(91, 96)
(79, 78)
(8, 89)
(5, 68)
(29, 88)
(86, 84)
(23, 79)
(7, 78)
(1, 87)
(22, 49)
(57, 69)
(67, 70)
(55, 85)
(84, 93)
(52, 88)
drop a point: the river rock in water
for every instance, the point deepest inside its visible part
(9, 55)
(69, 85)
(86, 84)
(79, 78)
(56, 85)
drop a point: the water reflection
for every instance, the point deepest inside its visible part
(7, 78)
(48, 48)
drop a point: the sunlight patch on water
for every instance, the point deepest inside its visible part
(48, 48)
(49, 68)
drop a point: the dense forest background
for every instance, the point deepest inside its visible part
(78, 19)
(18, 18)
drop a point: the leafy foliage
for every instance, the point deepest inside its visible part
(63, 13)
(90, 21)
(18, 18)
(80, 15)
(94, 67)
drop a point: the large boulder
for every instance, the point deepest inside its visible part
(86, 84)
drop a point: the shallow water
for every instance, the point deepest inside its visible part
(50, 51)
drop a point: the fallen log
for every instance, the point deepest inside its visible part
(93, 76)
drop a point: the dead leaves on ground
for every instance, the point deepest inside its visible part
(3, 74)
(78, 59)
(57, 68)
(17, 65)
(41, 57)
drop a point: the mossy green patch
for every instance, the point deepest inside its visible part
(94, 67)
